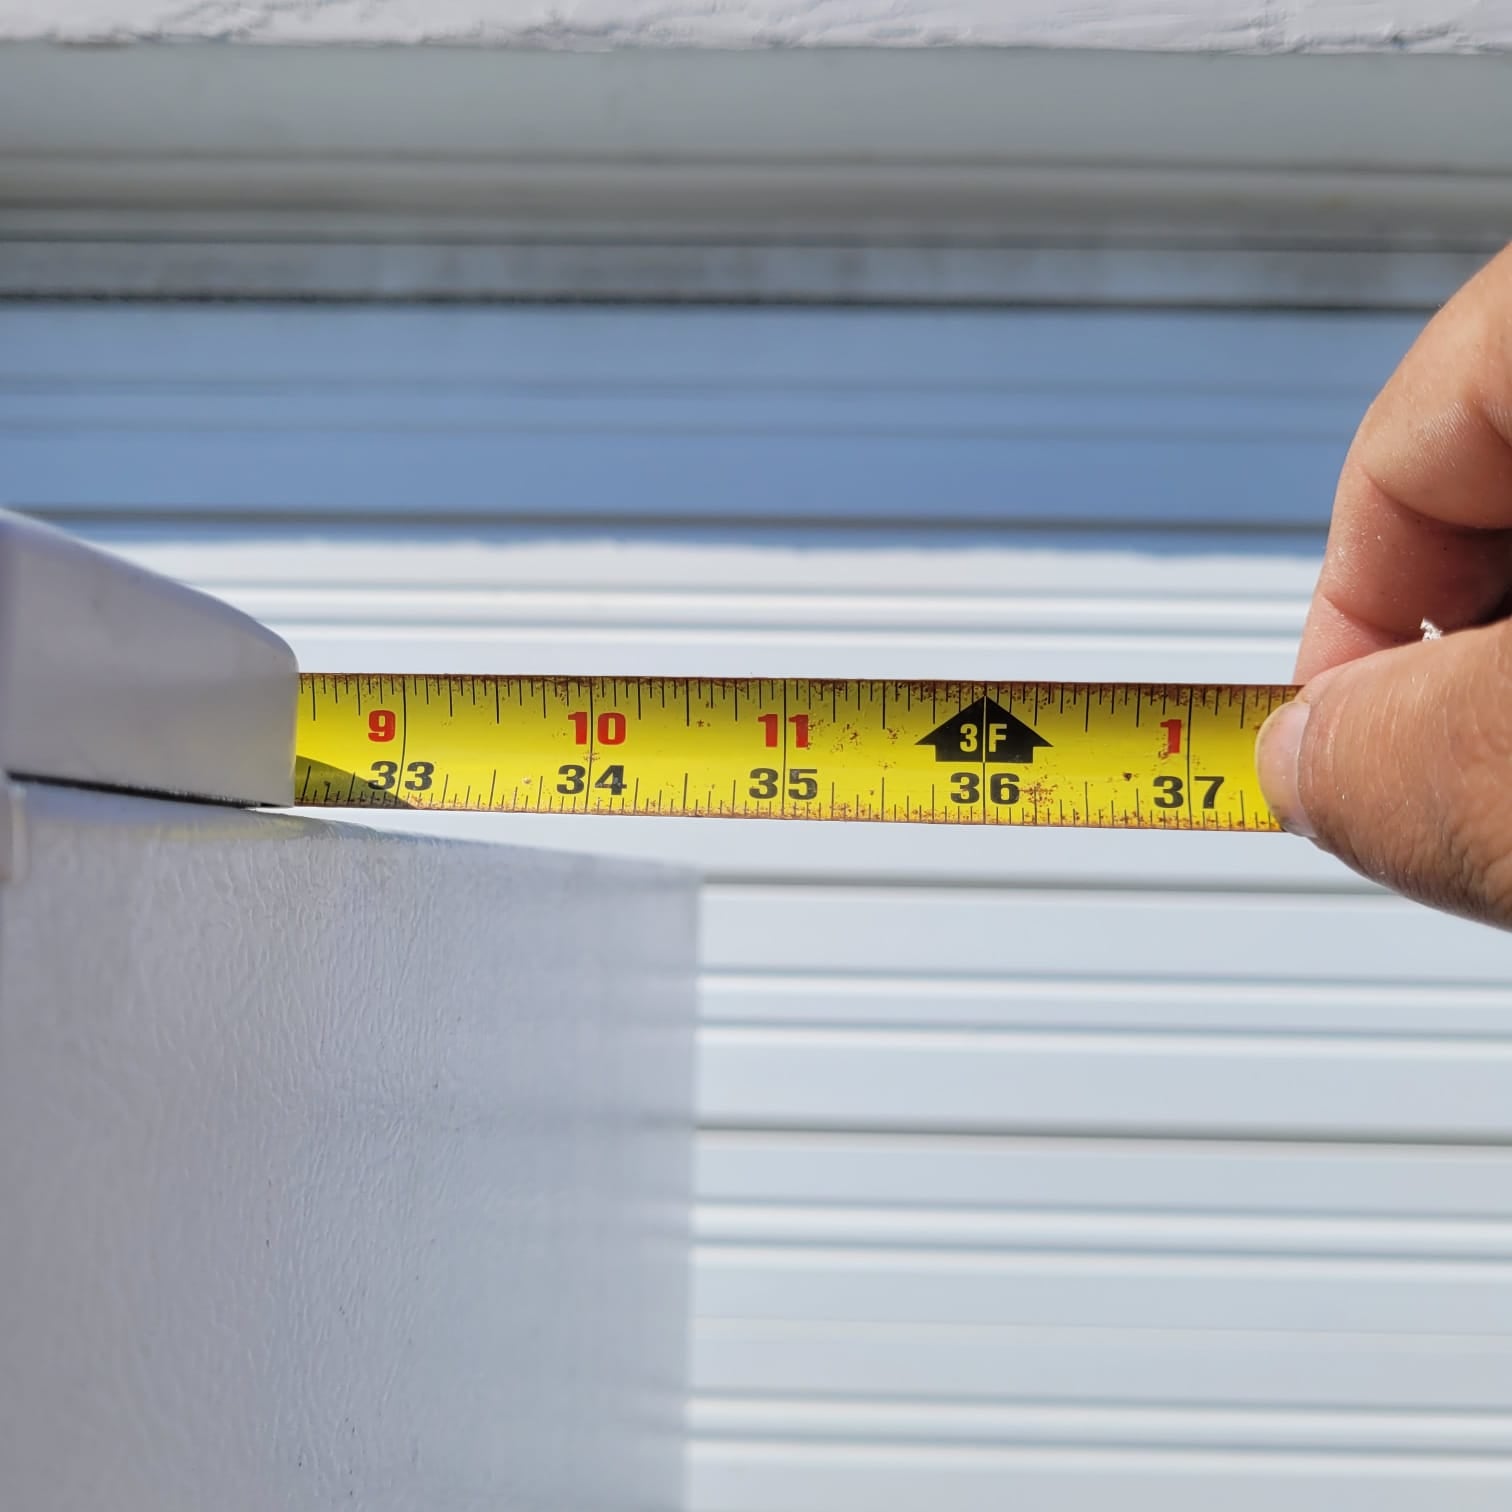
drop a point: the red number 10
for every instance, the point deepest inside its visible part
(610, 728)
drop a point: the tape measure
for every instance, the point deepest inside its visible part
(1129, 756)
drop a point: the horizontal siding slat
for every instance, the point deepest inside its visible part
(1070, 351)
(807, 564)
(587, 476)
(1264, 1087)
(1169, 934)
(1125, 1290)
(1384, 1371)
(572, 611)
(1211, 1008)
(638, 653)
(679, 412)
(1114, 1176)
(1067, 1230)
(753, 1420)
(806, 1478)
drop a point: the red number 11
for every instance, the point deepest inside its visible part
(772, 724)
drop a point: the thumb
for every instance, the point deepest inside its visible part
(1400, 764)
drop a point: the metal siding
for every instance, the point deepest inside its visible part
(1039, 1169)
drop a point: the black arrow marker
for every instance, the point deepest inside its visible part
(985, 732)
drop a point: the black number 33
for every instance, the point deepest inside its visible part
(417, 779)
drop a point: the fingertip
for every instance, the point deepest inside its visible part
(1278, 761)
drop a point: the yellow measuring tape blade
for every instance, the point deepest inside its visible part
(1147, 756)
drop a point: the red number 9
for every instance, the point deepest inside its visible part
(382, 725)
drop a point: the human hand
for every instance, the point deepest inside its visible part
(1397, 755)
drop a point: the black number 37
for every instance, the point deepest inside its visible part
(1172, 791)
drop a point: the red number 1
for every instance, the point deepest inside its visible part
(1172, 727)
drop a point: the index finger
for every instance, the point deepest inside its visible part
(1422, 520)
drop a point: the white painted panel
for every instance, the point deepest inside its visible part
(337, 1169)
(111, 677)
